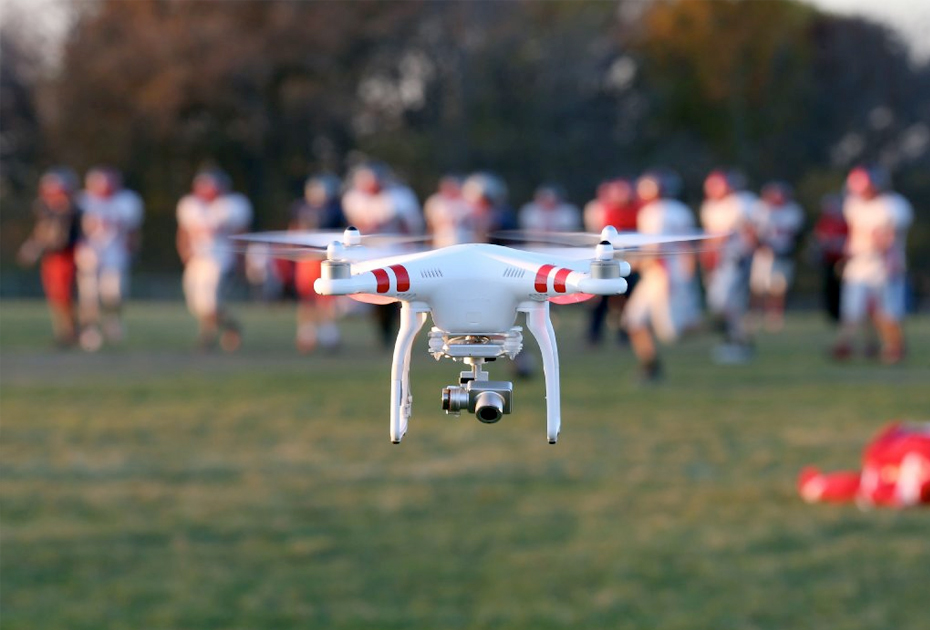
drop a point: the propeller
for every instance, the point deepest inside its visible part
(337, 245)
(621, 241)
(625, 245)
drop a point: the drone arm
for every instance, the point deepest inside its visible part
(412, 318)
(593, 277)
(339, 278)
(360, 283)
(538, 322)
(598, 286)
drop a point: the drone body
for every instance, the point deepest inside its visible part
(474, 293)
(474, 288)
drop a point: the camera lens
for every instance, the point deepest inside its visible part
(489, 407)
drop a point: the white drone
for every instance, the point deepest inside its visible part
(473, 292)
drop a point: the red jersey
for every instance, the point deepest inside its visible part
(831, 231)
(621, 217)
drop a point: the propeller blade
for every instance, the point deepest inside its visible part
(294, 245)
(546, 238)
(620, 240)
(313, 240)
(635, 240)
(322, 240)
(287, 252)
(666, 249)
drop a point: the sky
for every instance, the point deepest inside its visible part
(911, 18)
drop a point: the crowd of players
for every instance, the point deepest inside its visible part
(87, 239)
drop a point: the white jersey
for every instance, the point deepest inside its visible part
(451, 220)
(407, 207)
(665, 216)
(209, 225)
(867, 219)
(666, 295)
(729, 215)
(107, 223)
(777, 227)
(669, 217)
(394, 209)
(565, 217)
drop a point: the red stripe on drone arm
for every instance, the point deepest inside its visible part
(542, 278)
(560, 276)
(384, 282)
(403, 278)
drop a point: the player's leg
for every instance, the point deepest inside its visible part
(113, 281)
(58, 273)
(201, 285)
(832, 289)
(782, 274)
(889, 317)
(328, 333)
(853, 310)
(230, 330)
(737, 303)
(87, 266)
(597, 315)
(723, 297)
(636, 320)
(386, 319)
(644, 348)
(305, 273)
(732, 289)
(306, 326)
(760, 282)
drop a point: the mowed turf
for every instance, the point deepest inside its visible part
(151, 487)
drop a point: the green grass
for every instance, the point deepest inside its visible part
(150, 487)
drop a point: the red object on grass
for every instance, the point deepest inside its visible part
(895, 471)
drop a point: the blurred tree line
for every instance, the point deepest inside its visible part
(567, 92)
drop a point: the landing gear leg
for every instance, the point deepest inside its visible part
(538, 322)
(412, 319)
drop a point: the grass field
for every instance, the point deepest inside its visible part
(152, 487)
